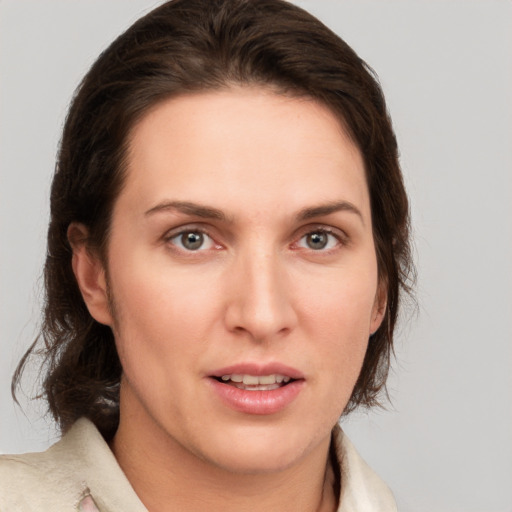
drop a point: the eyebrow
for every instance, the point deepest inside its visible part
(188, 208)
(207, 212)
(328, 209)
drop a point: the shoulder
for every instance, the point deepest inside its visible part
(27, 480)
(37, 478)
(361, 487)
(79, 469)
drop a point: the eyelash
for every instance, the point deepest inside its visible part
(171, 238)
(339, 238)
(175, 239)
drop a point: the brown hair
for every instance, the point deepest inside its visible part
(180, 47)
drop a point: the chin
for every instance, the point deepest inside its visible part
(258, 451)
(258, 462)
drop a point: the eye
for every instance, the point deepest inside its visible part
(192, 240)
(319, 240)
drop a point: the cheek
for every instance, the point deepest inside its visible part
(161, 318)
(339, 316)
(156, 338)
(342, 304)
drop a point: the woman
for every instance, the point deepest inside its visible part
(227, 246)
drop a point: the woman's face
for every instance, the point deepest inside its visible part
(242, 277)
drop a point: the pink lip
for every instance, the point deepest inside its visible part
(257, 402)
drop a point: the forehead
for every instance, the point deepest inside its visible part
(246, 143)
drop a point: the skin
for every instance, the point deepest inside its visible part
(255, 291)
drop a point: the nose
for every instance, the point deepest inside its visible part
(260, 301)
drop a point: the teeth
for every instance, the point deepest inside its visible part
(251, 380)
(266, 379)
(256, 380)
(267, 387)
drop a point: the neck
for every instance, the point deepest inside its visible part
(166, 475)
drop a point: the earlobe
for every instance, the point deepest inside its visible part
(90, 274)
(379, 309)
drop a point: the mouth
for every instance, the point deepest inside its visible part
(249, 382)
(255, 388)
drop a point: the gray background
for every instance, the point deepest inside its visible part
(446, 443)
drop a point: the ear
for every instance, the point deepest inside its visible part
(379, 308)
(90, 274)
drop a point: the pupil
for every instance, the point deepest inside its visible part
(192, 240)
(317, 240)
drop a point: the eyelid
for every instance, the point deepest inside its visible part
(338, 233)
(190, 228)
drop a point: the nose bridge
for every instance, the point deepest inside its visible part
(260, 303)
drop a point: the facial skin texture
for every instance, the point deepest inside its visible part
(254, 292)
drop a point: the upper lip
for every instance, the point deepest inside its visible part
(258, 369)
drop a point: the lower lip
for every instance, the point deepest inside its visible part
(257, 402)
